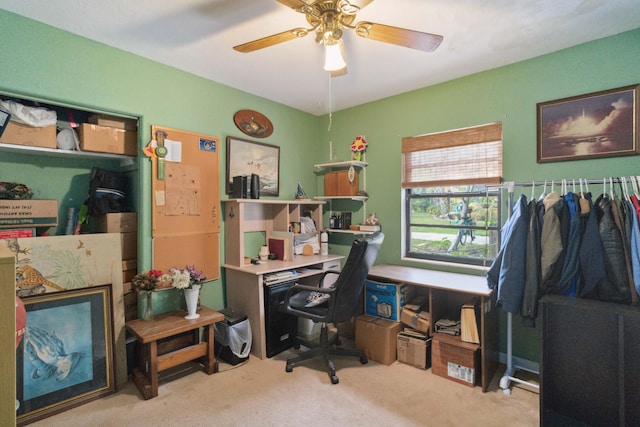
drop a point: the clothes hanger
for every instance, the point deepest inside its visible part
(544, 191)
(634, 184)
(533, 186)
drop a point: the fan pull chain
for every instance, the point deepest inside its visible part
(330, 112)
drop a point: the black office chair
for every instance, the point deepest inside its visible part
(332, 304)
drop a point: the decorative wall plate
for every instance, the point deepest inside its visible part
(253, 123)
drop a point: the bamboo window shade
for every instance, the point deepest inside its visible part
(458, 157)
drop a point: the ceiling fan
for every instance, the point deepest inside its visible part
(328, 18)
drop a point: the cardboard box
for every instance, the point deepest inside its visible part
(103, 139)
(123, 222)
(31, 213)
(114, 122)
(129, 244)
(451, 358)
(378, 338)
(337, 183)
(19, 134)
(414, 350)
(420, 320)
(387, 299)
(469, 315)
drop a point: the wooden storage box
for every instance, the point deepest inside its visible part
(19, 134)
(337, 183)
(456, 360)
(103, 139)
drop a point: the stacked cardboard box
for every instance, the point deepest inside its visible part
(126, 224)
(387, 299)
(454, 359)
(20, 134)
(377, 338)
(414, 349)
(416, 314)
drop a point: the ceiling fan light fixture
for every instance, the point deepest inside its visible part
(334, 56)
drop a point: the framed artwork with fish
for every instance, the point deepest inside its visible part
(66, 356)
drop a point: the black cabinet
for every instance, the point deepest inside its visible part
(589, 363)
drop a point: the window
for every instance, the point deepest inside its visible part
(451, 213)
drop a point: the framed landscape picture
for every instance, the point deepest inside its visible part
(247, 157)
(66, 356)
(599, 124)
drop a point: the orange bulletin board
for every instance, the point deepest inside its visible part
(200, 250)
(186, 201)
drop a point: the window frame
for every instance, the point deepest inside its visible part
(475, 158)
(409, 197)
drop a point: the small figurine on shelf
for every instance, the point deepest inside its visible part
(357, 147)
(300, 192)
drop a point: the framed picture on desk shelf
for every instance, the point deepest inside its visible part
(249, 157)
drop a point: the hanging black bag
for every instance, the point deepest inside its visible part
(107, 191)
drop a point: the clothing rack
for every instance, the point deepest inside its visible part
(509, 374)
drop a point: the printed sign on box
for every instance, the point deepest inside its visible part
(29, 213)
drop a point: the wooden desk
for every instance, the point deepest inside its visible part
(447, 291)
(151, 360)
(245, 289)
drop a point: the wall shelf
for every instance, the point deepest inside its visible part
(356, 198)
(341, 165)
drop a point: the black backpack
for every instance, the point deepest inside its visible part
(107, 192)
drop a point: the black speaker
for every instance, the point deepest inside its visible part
(240, 187)
(255, 186)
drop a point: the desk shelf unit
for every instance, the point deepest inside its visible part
(448, 291)
(258, 215)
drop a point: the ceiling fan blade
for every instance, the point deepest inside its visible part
(271, 40)
(399, 36)
(296, 4)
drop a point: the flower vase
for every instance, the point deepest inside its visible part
(144, 299)
(191, 297)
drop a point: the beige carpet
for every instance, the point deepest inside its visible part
(261, 393)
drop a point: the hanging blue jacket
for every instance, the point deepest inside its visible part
(507, 272)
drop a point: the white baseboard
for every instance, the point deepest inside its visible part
(520, 363)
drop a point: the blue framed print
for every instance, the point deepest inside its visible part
(66, 356)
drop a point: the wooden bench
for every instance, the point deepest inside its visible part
(171, 340)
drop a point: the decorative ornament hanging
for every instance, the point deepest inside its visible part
(357, 147)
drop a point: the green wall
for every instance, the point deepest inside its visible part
(73, 70)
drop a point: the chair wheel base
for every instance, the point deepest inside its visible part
(334, 379)
(364, 360)
(289, 368)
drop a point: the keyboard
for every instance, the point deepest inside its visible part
(279, 275)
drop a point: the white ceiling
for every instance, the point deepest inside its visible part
(197, 36)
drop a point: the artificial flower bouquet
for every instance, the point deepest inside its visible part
(147, 281)
(185, 278)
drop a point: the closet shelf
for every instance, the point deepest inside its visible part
(13, 148)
